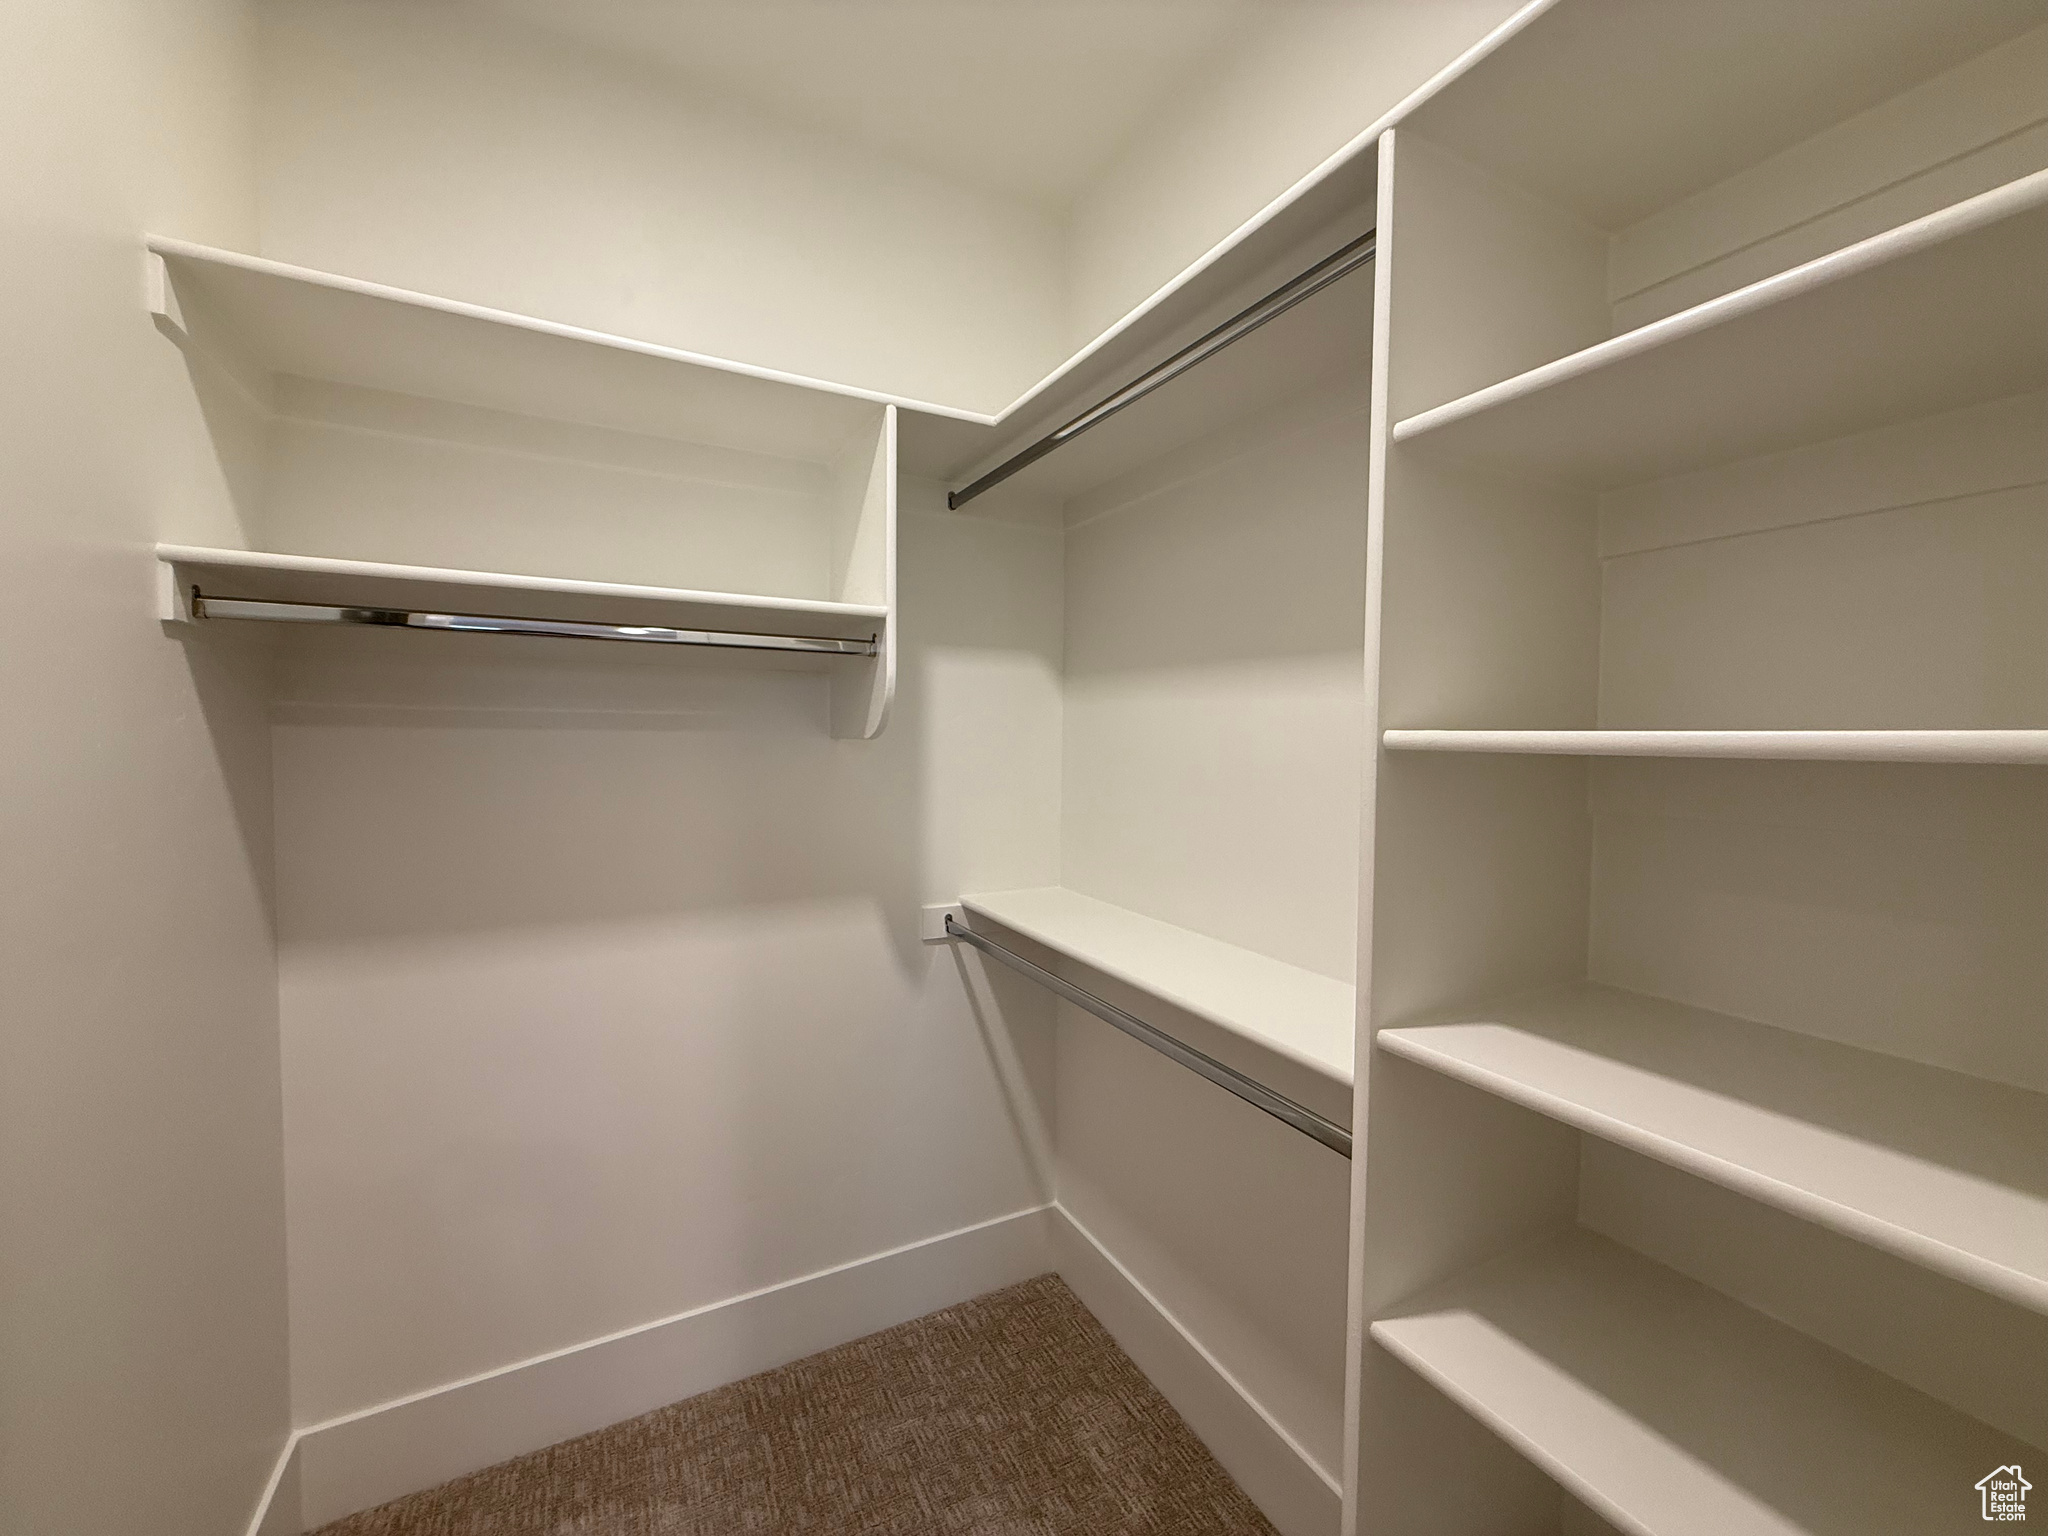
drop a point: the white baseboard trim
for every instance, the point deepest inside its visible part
(1273, 1468)
(277, 1512)
(363, 1459)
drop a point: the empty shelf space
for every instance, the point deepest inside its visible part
(1945, 1170)
(298, 322)
(2015, 746)
(1653, 92)
(1673, 1411)
(1304, 1016)
(1938, 313)
(254, 574)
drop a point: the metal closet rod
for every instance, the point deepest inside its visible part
(204, 607)
(1345, 259)
(1250, 1089)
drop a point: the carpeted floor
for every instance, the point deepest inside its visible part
(1014, 1414)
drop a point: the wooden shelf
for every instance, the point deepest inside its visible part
(1945, 1170)
(2019, 746)
(1939, 313)
(1301, 1015)
(367, 583)
(295, 321)
(1671, 1410)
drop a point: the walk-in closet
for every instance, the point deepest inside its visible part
(1024, 768)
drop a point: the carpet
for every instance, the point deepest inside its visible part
(1014, 1414)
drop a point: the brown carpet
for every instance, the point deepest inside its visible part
(1014, 1414)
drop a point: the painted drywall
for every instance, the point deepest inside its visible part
(1214, 654)
(1027, 100)
(142, 1287)
(1232, 1221)
(558, 169)
(1267, 112)
(436, 150)
(1215, 675)
(602, 995)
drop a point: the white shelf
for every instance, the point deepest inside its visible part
(1321, 347)
(1616, 110)
(1942, 1169)
(2019, 746)
(1938, 313)
(296, 321)
(1671, 1410)
(367, 583)
(1304, 224)
(1306, 1017)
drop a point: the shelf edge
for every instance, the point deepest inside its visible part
(2015, 1286)
(1910, 238)
(1386, 1333)
(2023, 746)
(1188, 1004)
(322, 565)
(168, 246)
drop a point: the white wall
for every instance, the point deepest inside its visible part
(1313, 76)
(142, 1287)
(433, 149)
(451, 151)
(1215, 636)
(602, 992)
(1215, 676)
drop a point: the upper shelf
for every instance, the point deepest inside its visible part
(1615, 109)
(1672, 1410)
(317, 325)
(367, 583)
(1313, 218)
(1304, 1016)
(1946, 1170)
(2017, 746)
(1320, 344)
(1939, 313)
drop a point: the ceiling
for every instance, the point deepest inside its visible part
(1026, 98)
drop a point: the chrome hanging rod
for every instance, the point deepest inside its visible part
(204, 607)
(1250, 1089)
(1345, 259)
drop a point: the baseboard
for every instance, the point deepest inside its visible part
(1275, 1471)
(277, 1512)
(363, 1459)
(355, 1462)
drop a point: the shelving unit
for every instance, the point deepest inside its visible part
(392, 449)
(1946, 1170)
(2028, 746)
(1295, 1013)
(1673, 1411)
(1703, 1100)
(1942, 312)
